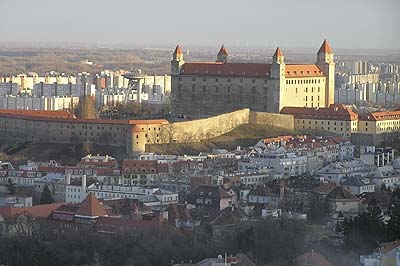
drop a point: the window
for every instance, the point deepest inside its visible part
(193, 87)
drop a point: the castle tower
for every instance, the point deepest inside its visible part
(277, 79)
(222, 55)
(177, 61)
(326, 63)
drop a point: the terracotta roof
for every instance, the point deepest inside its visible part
(340, 193)
(333, 112)
(300, 71)
(228, 69)
(311, 259)
(278, 52)
(381, 116)
(91, 207)
(277, 139)
(42, 211)
(325, 48)
(41, 116)
(223, 50)
(115, 223)
(39, 113)
(389, 246)
(178, 50)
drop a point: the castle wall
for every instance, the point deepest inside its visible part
(272, 119)
(196, 130)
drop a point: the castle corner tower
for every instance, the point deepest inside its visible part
(278, 79)
(325, 62)
(177, 61)
(222, 55)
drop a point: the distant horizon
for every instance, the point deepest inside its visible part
(356, 24)
(166, 46)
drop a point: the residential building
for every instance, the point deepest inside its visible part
(342, 200)
(358, 185)
(264, 196)
(337, 171)
(335, 118)
(210, 196)
(387, 254)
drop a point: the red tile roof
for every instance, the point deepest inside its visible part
(178, 50)
(278, 52)
(333, 112)
(228, 69)
(325, 48)
(67, 117)
(389, 246)
(39, 113)
(311, 259)
(38, 211)
(381, 116)
(223, 50)
(91, 207)
(299, 71)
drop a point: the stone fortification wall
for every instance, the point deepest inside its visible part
(272, 119)
(201, 129)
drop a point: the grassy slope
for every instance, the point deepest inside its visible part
(244, 135)
(18, 151)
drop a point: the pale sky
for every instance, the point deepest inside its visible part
(264, 23)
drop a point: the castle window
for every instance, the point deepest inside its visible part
(204, 79)
(193, 79)
(306, 97)
(216, 89)
(296, 90)
(306, 91)
(253, 90)
(193, 87)
(229, 89)
(265, 90)
(254, 81)
(229, 80)
(216, 80)
(180, 79)
(204, 88)
(319, 89)
(241, 81)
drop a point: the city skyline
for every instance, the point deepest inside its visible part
(205, 23)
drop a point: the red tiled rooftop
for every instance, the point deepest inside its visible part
(63, 116)
(178, 50)
(312, 259)
(229, 69)
(90, 206)
(278, 52)
(38, 211)
(325, 48)
(299, 71)
(39, 113)
(381, 116)
(223, 50)
(333, 112)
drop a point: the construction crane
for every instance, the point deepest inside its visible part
(135, 85)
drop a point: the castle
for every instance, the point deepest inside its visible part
(208, 88)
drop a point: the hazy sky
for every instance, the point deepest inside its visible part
(288, 23)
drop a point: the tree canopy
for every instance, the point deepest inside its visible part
(45, 196)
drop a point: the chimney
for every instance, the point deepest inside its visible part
(67, 179)
(83, 187)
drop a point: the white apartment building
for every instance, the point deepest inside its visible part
(38, 103)
(339, 170)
